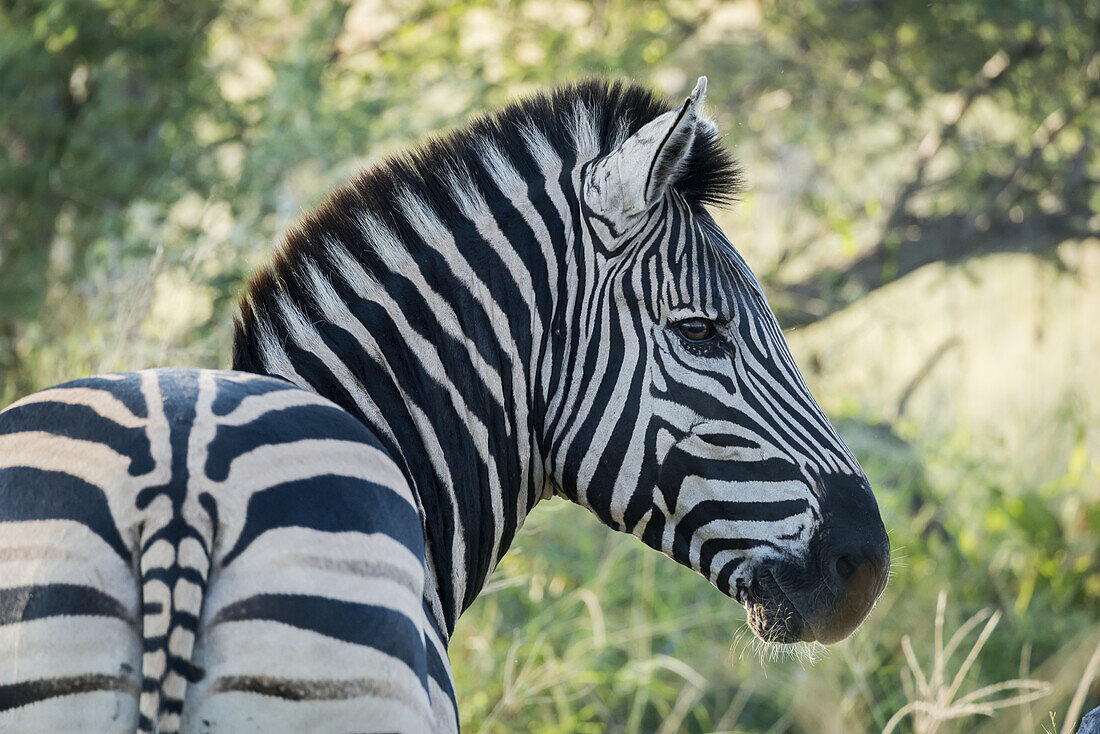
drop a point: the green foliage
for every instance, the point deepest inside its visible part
(100, 105)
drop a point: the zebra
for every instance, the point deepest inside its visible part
(537, 304)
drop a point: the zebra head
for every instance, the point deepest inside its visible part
(697, 433)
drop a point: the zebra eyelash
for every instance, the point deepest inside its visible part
(719, 345)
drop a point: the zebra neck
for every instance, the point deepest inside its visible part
(430, 327)
(450, 391)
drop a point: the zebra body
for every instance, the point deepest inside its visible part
(538, 304)
(147, 509)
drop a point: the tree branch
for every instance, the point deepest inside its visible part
(992, 72)
(952, 238)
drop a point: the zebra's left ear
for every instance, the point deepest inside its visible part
(630, 179)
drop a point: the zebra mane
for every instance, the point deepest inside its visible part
(591, 113)
(581, 120)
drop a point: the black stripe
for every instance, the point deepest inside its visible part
(722, 581)
(125, 387)
(383, 629)
(82, 423)
(27, 603)
(28, 494)
(712, 547)
(708, 511)
(334, 504)
(680, 464)
(14, 695)
(287, 425)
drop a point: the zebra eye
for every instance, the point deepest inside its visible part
(697, 330)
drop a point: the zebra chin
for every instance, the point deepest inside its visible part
(823, 601)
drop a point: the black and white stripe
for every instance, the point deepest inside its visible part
(500, 317)
(141, 510)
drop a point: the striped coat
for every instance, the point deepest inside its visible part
(537, 304)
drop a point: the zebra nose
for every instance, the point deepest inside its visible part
(844, 567)
(856, 567)
(849, 557)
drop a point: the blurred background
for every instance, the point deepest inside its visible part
(923, 210)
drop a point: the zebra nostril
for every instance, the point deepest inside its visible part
(845, 568)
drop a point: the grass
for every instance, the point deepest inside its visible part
(934, 698)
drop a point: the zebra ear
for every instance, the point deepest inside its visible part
(630, 179)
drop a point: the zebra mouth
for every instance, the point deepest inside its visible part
(773, 617)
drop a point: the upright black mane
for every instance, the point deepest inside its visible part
(614, 110)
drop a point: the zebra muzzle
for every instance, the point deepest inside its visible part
(824, 600)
